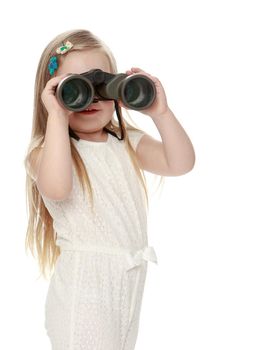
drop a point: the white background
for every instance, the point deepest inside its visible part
(201, 294)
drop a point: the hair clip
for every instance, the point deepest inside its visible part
(53, 65)
(64, 48)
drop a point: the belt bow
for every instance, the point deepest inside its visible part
(147, 253)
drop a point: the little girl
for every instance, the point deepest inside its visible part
(87, 199)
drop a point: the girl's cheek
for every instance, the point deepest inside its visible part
(108, 104)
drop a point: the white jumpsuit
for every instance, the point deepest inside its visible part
(95, 293)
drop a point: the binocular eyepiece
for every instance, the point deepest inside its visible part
(77, 91)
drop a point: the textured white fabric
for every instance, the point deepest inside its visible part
(95, 293)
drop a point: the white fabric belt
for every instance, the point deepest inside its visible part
(133, 259)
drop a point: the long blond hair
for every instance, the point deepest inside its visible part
(40, 234)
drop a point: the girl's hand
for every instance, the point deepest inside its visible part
(49, 99)
(159, 106)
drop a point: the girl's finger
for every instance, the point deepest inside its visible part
(136, 69)
(56, 80)
(139, 70)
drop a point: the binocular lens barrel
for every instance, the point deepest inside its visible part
(137, 92)
(75, 93)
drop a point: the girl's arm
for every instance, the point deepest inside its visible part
(52, 164)
(173, 156)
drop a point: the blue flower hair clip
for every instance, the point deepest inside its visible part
(53, 65)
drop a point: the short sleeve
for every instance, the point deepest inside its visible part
(135, 136)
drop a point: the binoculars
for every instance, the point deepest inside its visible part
(77, 91)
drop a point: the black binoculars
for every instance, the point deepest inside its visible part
(77, 91)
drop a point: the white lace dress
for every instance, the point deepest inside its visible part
(95, 293)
